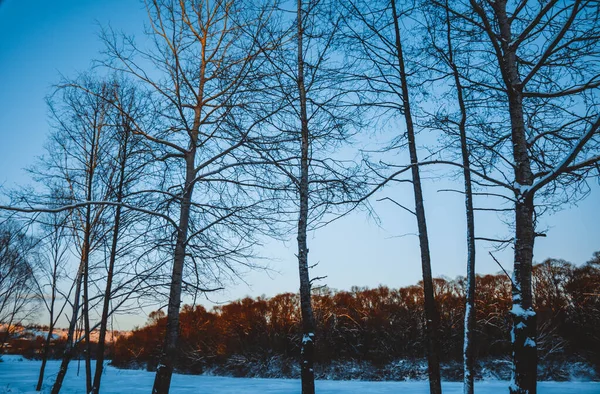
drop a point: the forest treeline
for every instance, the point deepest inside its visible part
(260, 336)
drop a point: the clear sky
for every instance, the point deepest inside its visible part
(40, 40)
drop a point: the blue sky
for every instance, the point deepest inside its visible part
(40, 40)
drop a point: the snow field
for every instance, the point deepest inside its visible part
(18, 375)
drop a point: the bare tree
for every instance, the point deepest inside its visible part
(17, 281)
(303, 140)
(377, 44)
(205, 57)
(533, 66)
(445, 68)
(80, 183)
(129, 163)
(308, 321)
(71, 172)
(52, 264)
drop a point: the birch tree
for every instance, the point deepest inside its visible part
(454, 120)
(534, 66)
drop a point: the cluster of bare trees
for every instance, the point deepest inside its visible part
(236, 120)
(17, 279)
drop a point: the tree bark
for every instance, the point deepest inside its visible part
(431, 314)
(524, 320)
(524, 330)
(164, 371)
(308, 324)
(470, 312)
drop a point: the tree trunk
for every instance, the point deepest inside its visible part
(110, 273)
(86, 256)
(524, 322)
(164, 371)
(308, 324)
(85, 309)
(69, 346)
(470, 312)
(38, 387)
(431, 314)
(523, 334)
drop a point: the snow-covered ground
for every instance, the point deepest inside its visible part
(18, 375)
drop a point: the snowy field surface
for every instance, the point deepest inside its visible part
(18, 375)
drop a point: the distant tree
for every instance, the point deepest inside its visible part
(259, 337)
(583, 319)
(18, 292)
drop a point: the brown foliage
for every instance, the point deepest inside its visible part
(379, 325)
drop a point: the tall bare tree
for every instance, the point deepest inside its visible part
(127, 173)
(307, 373)
(78, 181)
(377, 44)
(534, 66)
(303, 140)
(205, 56)
(71, 173)
(440, 49)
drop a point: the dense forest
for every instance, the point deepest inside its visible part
(178, 156)
(259, 337)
